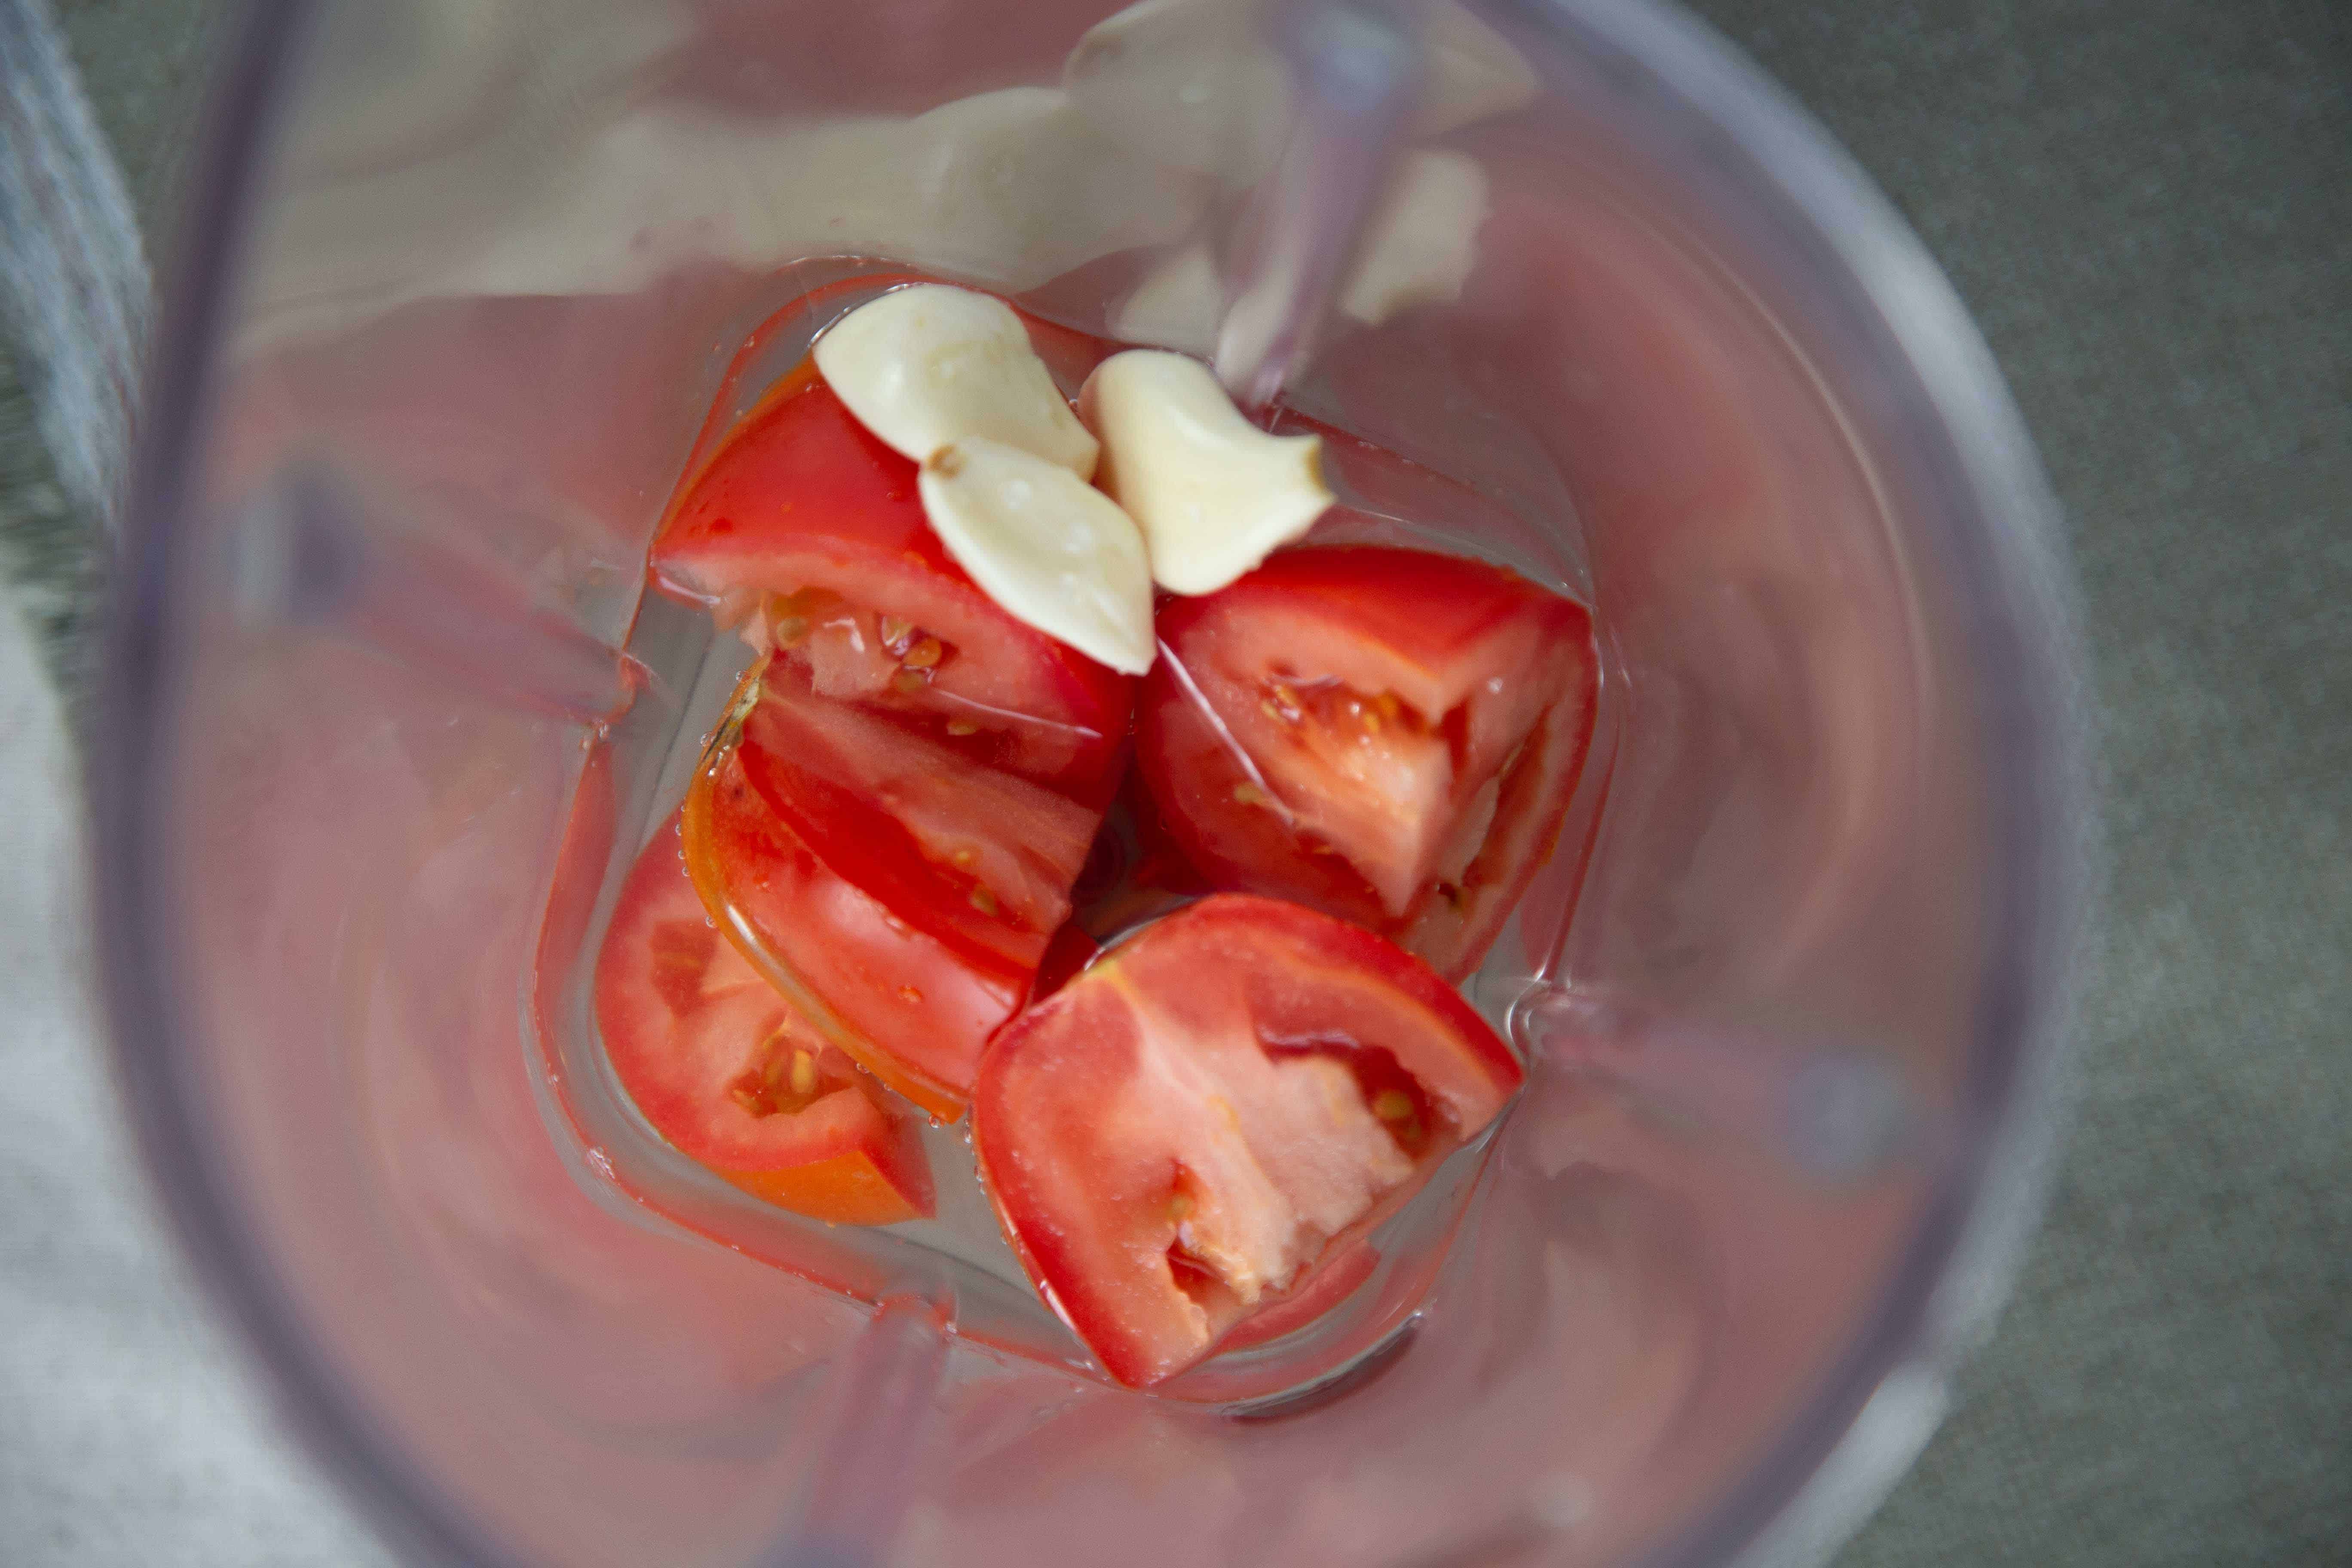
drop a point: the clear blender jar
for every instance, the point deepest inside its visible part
(388, 706)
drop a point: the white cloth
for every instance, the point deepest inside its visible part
(129, 1432)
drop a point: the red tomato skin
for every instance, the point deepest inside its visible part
(908, 1008)
(801, 495)
(1066, 958)
(1430, 609)
(684, 1016)
(1422, 624)
(849, 783)
(1075, 1176)
(1333, 1282)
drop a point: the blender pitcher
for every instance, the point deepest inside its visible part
(390, 710)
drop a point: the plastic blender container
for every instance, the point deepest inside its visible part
(463, 284)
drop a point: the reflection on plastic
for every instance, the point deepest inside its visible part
(1834, 1114)
(876, 1421)
(313, 550)
(1357, 70)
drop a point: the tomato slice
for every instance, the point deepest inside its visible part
(1387, 735)
(809, 531)
(1186, 1130)
(731, 1076)
(980, 858)
(831, 897)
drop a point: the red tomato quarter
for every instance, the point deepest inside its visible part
(904, 911)
(809, 530)
(1387, 735)
(1183, 1132)
(731, 1076)
(981, 859)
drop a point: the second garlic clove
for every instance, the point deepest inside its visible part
(1213, 494)
(1054, 551)
(925, 366)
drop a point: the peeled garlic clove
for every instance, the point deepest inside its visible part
(1423, 240)
(1055, 551)
(925, 366)
(1213, 494)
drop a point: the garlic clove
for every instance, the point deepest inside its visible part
(929, 365)
(1213, 494)
(1055, 551)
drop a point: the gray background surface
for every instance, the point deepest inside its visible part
(2148, 206)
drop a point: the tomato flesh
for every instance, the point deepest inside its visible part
(911, 1008)
(1387, 735)
(903, 897)
(1184, 1131)
(731, 1076)
(981, 859)
(808, 532)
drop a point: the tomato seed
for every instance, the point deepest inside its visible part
(1392, 1105)
(983, 900)
(924, 654)
(895, 632)
(804, 1074)
(907, 682)
(1246, 794)
(1180, 1205)
(958, 727)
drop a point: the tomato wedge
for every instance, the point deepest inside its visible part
(1387, 735)
(901, 897)
(809, 531)
(731, 1076)
(1182, 1133)
(981, 859)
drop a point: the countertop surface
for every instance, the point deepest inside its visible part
(2148, 206)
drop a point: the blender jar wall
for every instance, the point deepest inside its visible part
(485, 283)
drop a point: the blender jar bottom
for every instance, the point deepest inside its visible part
(959, 1260)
